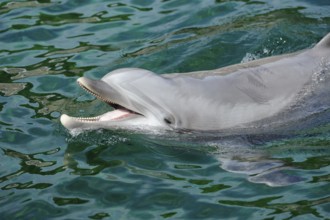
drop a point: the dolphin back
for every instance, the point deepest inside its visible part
(324, 43)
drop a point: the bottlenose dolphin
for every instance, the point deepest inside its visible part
(217, 99)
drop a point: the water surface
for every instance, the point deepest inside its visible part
(46, 173)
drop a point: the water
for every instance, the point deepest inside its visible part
(281, 173)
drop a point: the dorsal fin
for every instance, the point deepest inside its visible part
(325, 42)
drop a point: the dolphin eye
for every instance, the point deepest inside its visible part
(168, 121)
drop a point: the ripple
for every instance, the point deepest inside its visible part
(299, 208)
(9, 89)
(28, 185)
(69, 201)
(214, 188)
(5, 8)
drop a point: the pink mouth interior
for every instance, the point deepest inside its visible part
(115, 115)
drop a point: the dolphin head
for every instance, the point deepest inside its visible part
(136, 95)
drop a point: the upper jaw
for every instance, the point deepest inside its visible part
(101, 90)
(106, 93)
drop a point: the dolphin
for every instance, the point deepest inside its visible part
(223, 98)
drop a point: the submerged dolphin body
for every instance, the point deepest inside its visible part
(206, 100)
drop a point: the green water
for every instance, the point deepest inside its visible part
(45, 173)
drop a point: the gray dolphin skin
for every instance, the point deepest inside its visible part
(217, 99)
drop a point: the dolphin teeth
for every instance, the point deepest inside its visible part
(88, 119)
(111, 103)
(95, 94)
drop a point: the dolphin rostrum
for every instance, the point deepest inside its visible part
(217, 99)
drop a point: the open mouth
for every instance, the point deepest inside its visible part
(119, 112)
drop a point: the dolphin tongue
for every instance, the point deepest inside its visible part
(115, 115)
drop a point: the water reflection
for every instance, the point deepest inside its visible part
(29, 164)
(9, 89)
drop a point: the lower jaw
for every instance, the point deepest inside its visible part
(111, 116)
(115, 115)
(124, 120)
